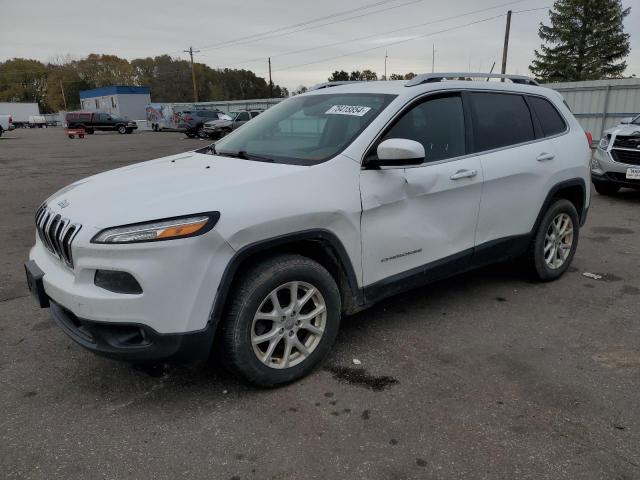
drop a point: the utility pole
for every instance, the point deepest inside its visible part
(64, 99)
(191, 51)
(505, 49)
(433, 58)
(270, 81)
(386, 55)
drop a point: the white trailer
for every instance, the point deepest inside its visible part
(20, 112)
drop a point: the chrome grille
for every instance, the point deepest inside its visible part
(56, 233)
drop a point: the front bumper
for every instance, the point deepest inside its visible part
(132, 342)
(179, 281)
(609, 171)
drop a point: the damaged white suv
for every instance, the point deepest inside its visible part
(324, 204)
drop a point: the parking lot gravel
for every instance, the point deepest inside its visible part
(483, 376)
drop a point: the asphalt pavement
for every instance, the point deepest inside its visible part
(483, 376)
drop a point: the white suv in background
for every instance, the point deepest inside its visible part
(318, 208)
(616, 161)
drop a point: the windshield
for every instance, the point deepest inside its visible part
(636, 121)
(223, 116)
(305, 130)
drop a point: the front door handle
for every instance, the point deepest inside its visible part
(463, 174)
(543, 157)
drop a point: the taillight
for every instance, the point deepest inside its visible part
(589, 138)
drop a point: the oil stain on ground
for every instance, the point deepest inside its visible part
(612, 230)
(359, 377)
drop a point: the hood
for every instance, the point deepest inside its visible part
(623, 129)
(172, 186)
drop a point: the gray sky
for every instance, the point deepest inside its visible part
(44, 29)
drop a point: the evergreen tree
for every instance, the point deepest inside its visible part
(585, 41)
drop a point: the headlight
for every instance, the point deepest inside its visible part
(157, 230)
(604, 142)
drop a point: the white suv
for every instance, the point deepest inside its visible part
(319, 207)
(616, 161)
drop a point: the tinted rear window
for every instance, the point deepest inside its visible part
(499, 120)
(550, 120)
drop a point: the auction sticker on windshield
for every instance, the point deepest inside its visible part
(354, 110)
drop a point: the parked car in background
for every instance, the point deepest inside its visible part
(327, 203)
(192, 122)
(226, 123)
(93, 122)
(5, 124)
(37, 121)
(616, 161)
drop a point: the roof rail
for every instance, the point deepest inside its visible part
(438, 77)
(332, 84)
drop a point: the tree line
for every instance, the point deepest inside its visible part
(169, 79)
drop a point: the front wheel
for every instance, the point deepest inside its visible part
(122, 129)
(202, 133)
(282, 320)
(555, 241)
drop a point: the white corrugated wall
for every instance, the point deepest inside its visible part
(601, 104)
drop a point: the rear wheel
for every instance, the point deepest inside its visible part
(281, 321)
(555, 242)
(606, 188)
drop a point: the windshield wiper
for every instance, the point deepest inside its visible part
(244, 155)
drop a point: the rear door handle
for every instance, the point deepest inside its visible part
(543, 157)
(463, 174)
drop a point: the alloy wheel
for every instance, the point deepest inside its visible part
(288, 325)
(558, 241)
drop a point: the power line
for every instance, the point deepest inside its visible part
(278, 31)
(378, 34)
(385, 45)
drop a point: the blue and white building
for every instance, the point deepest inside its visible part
(119, 100)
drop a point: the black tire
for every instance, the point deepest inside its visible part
(606, 188)
(154, 127)
(538, 267)
(122, 129)
(129, 131)
(248, 293)
(201, 133)
(1, 131)
(89, 131)
(190, 134)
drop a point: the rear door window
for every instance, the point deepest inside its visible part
(551, 121)
(500, 120)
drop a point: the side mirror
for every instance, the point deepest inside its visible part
(398, 152)
(626, 121)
